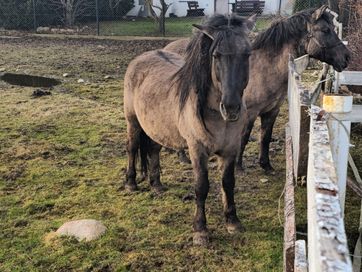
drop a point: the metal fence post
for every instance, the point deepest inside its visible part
(34, 15)
(97, 17)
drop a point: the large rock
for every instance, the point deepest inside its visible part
(86, 229)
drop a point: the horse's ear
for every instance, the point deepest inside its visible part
(319, 12)
(203, 30)
(250, 22)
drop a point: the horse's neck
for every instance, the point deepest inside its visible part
(279, 62)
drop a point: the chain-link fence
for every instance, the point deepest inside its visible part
(136, 17)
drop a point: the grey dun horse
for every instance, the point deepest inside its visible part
(193, 101)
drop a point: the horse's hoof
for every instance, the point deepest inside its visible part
(239, 169)
(201, 238)
(234, 227)
(130, 187)
(268, 169)
(159, 189)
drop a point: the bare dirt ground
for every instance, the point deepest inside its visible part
(62, 157)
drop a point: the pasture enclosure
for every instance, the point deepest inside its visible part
(62, 157)
(325, 145)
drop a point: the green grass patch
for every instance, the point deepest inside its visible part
(175, 27)
(62, 157)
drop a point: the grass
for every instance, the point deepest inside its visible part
(175, 27)
(62, 157)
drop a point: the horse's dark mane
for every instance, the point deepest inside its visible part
(284, 31)
(195, 74)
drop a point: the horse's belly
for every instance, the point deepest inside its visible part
(160, 123)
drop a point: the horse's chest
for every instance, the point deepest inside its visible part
(226, 137)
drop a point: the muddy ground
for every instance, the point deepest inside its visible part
(62, 157)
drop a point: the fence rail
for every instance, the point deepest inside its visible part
(325, 142)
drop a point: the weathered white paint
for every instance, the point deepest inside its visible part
(327, 242)
(300, 263)
(289, 207)
(350, 78)
(222, 7)
(355, 116)
(298, 98)
(339, 138)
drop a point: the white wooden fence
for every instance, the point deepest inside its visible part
(319, 136)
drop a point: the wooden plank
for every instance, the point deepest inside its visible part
(301, 63)
(355, 116)
(299, 102)
(339, 138)
(327, 242)
(300, 264)
(350, 78)
(289, 208)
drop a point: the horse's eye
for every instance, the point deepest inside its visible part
(325, 30)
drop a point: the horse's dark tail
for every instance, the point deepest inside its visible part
(145, 144)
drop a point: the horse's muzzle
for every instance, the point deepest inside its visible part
(231, 113)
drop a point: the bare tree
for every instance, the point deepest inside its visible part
(113, 5)
(160, 19)
(72, 9)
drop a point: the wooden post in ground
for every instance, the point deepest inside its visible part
(339, 137)
(289, 209)
(300, 263)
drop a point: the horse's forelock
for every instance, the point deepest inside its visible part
(195, 74)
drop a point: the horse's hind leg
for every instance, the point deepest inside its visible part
(199, 159)
(154, 166)
(245, 134)
(266, 130)
(228, 183)
(134, 131)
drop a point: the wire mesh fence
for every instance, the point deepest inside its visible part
(136, 17)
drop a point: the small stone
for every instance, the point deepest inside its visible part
(81, 80)
(86, 229)
(66, 75)
(2, 69)
(264, 180)
(108, 77)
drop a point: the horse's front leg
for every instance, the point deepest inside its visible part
(199, 159)
(266, 131)
(228, 184)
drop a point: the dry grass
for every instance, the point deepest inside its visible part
(62, 157)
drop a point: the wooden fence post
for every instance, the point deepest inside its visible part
(289, 209)
(339, 137)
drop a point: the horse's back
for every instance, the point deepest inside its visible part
(150, 95)
(148, 71)
(178, 46)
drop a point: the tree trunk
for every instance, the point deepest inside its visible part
(69, 20)
(344, 14)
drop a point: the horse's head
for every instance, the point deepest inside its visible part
(229, 59)
(323, 42)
